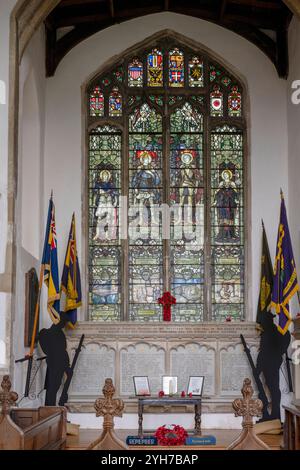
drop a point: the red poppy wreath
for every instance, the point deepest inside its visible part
(171, 435)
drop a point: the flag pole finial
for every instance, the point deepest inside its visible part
(281, 193)
(51, 195)
(262, 223)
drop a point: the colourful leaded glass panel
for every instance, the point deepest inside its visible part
(104, 245)
(216, 102)
(135, 73)
(115, 103)
(145, 197)
(182, 179)
(196, 72)
(187, 222)
(97, 102)
(155, 68)
(176, 68)
(227, 223)
(235, 102)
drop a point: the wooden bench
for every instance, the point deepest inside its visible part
(30, 429)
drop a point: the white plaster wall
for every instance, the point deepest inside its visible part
(6, 7)
(29, 202)
(267, 133)
(293, 118)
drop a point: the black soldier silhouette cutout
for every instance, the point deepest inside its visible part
(272, 347)
(54, 345)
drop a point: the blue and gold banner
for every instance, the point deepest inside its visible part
(70, 281)
(49, 261)
(285, 282)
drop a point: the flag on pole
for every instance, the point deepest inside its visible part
(266, 280)
(49, 261)
(285, 282)
(70, 281)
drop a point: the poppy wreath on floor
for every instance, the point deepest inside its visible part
(171, 435)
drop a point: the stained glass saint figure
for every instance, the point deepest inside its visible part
(145, 182)
(226, 202)
(106, 207)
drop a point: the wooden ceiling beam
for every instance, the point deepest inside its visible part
(223, 6)
(70, 3)
(294, 6)
(258, 4)
(248, 26)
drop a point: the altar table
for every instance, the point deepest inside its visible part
(169, 401)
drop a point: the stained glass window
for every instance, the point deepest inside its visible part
(104, 244)
(115, 103)
(187, 224)
(216, 101)
(155, 68)
(135, 73)
(227, 230)
(196, 76)
(176, 68)
(174, 151)
(235, 102)
(97, 102)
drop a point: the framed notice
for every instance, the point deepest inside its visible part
(141, 385)
(169, 385)
(195, 386)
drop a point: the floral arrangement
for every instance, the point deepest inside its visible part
(171, 435)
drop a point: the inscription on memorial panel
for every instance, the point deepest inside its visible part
(95, 363)
(234, 368)
(141, 359)
(194, 359)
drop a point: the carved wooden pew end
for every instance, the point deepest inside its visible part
(247, 407)
(108, 407)
(29, 429)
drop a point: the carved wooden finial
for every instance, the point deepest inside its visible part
(247, 407)
(7, 398)
(109, 408)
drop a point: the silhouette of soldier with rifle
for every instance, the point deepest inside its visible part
(54, 345)
(272, 347)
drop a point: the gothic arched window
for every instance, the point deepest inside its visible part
(166, 133)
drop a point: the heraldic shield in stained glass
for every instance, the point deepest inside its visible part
(166, 133)
(135, 73)
(155, 68)
(176, 68)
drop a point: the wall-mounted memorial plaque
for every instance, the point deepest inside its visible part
(31, 296)
(193, 359)
(234, 367)
(141, 359)
(95, 364)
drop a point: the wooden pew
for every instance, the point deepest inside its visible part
(30, 429)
